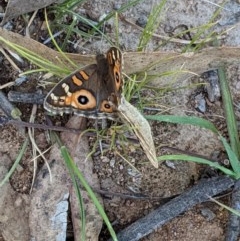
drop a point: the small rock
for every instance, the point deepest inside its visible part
(238, 85)
(212, 88)
(142, 21)
(116, 6)
(170, 164)
(208, 214)
(112, 163)
(200, 103)
(104, 159)
(21, 80)
(8, 26)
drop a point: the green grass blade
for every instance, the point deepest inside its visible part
(78, 194)
(190, 120)
(197, 160)
(36, 59)
(152, 24)
(232, 157)
(79, 175)
(18, 159)
(229, 112)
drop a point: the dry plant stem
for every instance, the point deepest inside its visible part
(34, 151)
(44, 127)
(30, 22)
(197, 194)
(7, 85)
(233, 230)
(35, 148)
(31, 98)
(10, 60)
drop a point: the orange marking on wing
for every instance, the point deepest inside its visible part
(68, 100)
(74, 101)
(110, 59)
(76, 80)
(84, 75)
(106, 107)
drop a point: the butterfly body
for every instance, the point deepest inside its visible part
(93, 91)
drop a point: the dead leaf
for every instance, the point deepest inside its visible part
(151, 62)
(141, 128)
(16, 8)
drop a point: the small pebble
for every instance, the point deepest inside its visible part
(226, 162)
(112, 163)
(238, 85)
(200, 103)
(170, 164)
(8, 26)
(142, 21)
(116, 6)
(21, 80)
(104, 159)
(208, 214)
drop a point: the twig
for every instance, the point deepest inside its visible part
(4, 120)
(197, 194)
(233, 230)
(9, 84)
(31, 98)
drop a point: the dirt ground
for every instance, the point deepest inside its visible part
(206, 221)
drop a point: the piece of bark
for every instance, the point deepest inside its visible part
(50, 201)
(31, 98)
(233, 229)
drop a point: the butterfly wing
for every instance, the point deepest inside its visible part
(75, 93)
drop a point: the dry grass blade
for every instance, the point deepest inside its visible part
(164, 61)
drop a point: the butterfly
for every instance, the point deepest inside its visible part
(93, 91)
